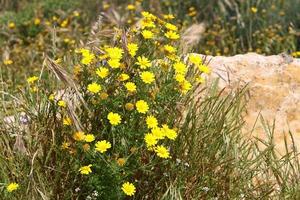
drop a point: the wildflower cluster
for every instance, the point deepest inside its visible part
(130, 89)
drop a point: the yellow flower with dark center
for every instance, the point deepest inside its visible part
(128, 189)
(32, 79)
(85, 170)
(132, 48)
(172, 35)
(150, 140)
(130, 86)
(147, 34)
(147, 77)
(162, 152)
(12, 187)
(114, 118)
(102, 146)
(143, 62)
(151, 121)
(89, 138)
(102, 72)
(94, 88)
(142, 106)
(79, 136)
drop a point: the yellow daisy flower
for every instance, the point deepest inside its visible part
(128, 188)
(102, 146)
(114, 118)
(85, 170)
(162, 152)
(147, 77)
(142, 106)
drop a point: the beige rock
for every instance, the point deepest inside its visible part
(274, 83)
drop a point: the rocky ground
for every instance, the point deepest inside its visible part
(274, 83)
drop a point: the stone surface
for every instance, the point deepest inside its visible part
(274, 83)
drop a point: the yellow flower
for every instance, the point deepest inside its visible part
(64, 23)
(142, 106)
(128, 188)
(205, 69)
(151, 121)
(85, 169)
(61, 103)
(185, 86)
(102, 72)
(114, 63)
(147, 34)
(114, 118)
(32, 79)
(179, 78)
(7, 62)
(130, 7)
(147, 23)
(130, 86)
(172, 35)
(51, 97)
(89, 138)
(200, 79)
(12, 186)
(147, 77)
(87, 56)
(171, 27)
(168, 17)
(79, 136)
(67, 121)
(132, 48)
(94, 88)
(158, 133)
(103, 95)
(170, 133)
(129, 106)
(123, 77)
(180, 68)
(254, 9)
(162, 152)
(143, 62)
(169, 49)
(37, 21)
(11, 25)
(150, 140)
(195, 59)
(65, 145)
(121, 161)
(114, 53)
(102, 146)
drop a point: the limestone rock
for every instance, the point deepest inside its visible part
(274, 83)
